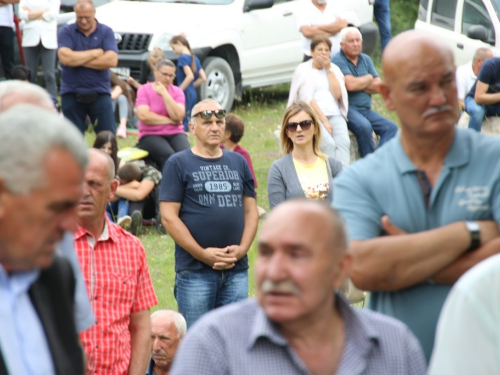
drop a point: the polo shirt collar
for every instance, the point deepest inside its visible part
(78, 30)
(458, 155)
(110, 231)
(150, 370)
(360, 337)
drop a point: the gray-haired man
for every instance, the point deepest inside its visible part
(42, 159)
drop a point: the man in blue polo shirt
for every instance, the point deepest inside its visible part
(425, 208)
(361, 81)
(87, 49)
(483, 98)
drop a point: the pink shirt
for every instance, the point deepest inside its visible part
(146, 95)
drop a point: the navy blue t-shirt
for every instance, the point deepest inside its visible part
(79, 79)
(211, 195)
(357, 99)
(489, 74)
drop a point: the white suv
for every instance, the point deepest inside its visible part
(464, 25)
(241, 43)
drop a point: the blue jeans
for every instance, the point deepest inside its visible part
(100, 112)
(119, 209)
(362, 122)
(198, 292)
(382, 13)
(477, 112)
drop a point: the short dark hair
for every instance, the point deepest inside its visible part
(104, 137)
(130, 172)
(235, 126)
(320, 39)
(21, 73)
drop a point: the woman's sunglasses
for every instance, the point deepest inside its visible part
(207, 115)
(304, 125)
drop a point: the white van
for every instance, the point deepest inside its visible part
(240, 43)
(465, 25)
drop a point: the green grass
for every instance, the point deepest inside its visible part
(262, 111)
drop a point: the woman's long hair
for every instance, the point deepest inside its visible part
(104, 137)
(182, 40)
(286, 142)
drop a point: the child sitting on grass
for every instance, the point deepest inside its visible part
(139, 188)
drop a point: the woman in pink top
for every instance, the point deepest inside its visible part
(160, 110)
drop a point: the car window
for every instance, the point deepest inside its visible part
(422, 10)
(443, 13)
(475, 13)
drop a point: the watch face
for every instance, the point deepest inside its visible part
(472, 226)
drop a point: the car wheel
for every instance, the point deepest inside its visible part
(220, 82)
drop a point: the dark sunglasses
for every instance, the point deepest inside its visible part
(304, 125)
(207, 115)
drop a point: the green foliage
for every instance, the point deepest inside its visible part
(403, 15)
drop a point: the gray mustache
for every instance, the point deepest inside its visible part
(286, 286)
(434, 110)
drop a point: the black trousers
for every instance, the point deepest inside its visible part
(161, 147)
(7, 50)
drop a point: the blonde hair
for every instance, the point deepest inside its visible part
(286, 142)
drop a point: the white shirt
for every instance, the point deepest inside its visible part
(309, 15)
(7, 16)
(468, 331)
(465, 79)
(322, 94)
(43, 30)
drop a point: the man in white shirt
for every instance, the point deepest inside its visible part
(7, 35)
(316, 18)
(467, 74)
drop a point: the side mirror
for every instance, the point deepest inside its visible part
(257, 4)
(478, 32)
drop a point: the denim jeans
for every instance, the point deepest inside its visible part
(362, 122)
(477, 112)
(382, 13)
(100, 112)
(198, 292)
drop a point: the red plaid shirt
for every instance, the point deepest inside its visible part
(118, 283)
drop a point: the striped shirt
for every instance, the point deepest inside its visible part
(117, 278)
(240, 339)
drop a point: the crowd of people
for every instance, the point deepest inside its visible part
(408, 223)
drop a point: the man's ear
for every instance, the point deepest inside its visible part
(385, 91)
(113, 186)
(191, 126)
(344, 267)
(4, 194)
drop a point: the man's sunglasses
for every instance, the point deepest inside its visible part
(207, 115)
(304, 125)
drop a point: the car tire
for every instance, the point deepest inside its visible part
(220, 82)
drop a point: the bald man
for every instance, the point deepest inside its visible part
(431, 210)
(298, 324)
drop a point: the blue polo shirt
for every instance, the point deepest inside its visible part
(80, 79)
(358, 99)
(386, 183)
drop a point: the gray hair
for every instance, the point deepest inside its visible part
(27, 134)
(483, 54)
(177, 319)
(347, 30)
(195, 108)
(81, 3)
(35, 93)
(164, 62)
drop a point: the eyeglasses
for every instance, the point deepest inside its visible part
(207, 115)
(304, 125)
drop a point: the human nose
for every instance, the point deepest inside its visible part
(276, 268)
(438, 96)
(156, 344)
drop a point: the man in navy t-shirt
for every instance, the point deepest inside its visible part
(208, 207)
(87, 49)
(483, 98)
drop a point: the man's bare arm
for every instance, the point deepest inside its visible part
(357, 83)
(140, 338)
(72, 58)
(334, 27)
(374, 86)
(311, 31)
(398, 261)
(109, 59)
(181, 235)
(481, 95)
(5, 2)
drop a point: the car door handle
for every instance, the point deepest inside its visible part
(460, 45)
(286, 14)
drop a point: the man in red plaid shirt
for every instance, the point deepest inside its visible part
(116, 274)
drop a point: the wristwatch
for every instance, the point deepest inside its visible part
(475, 235)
